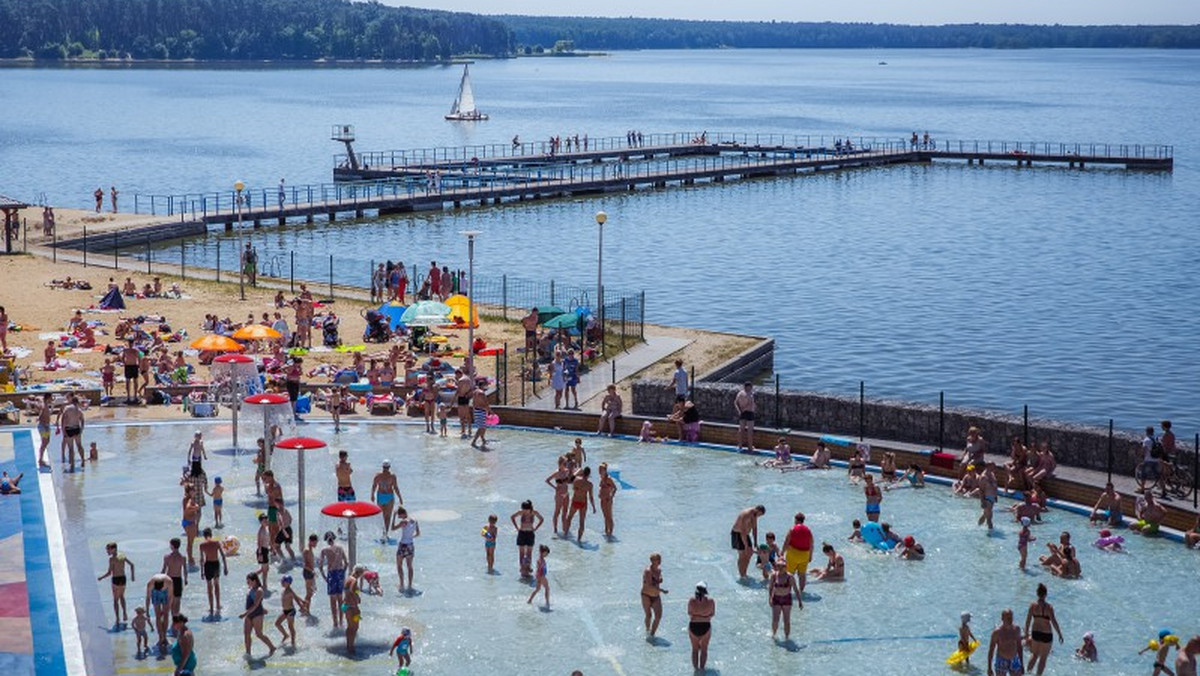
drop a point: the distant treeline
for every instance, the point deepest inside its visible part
(596, 33)
(242, 30)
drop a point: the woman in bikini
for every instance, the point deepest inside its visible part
(652, 592)
(526, 520)
(779, 595)
(1041, 617)
(252, 618)
(560, 481)
(700, 613)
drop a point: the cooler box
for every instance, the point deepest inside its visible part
(943, 460)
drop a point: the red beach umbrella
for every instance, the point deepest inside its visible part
(234, 358)
(351, 511)
(300, 444)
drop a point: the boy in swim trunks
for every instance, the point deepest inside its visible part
(10, 485)
(139, 631)
(116, 570)
(309, 574)
(175, 565)
(212, 562)
(263, 553)
(287, 613)
(217, 494)
(343, 470)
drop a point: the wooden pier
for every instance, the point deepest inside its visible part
(440, 178)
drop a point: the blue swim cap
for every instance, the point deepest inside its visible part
(286, 579)
(217, 480)
(1163, 633)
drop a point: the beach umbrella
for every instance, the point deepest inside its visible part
(548, 312)
(273, 407)
(217, 343)
(300, 444)
(563, 321)
(233, 359)
(257, 332)
(460, 306)
(351, 511)
(425, 313)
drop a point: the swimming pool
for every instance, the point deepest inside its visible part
(890, 615)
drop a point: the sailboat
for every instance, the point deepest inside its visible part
(464, 109)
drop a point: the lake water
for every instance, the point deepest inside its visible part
(1068, 291)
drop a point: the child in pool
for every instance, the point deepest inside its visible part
(1023, 540)
(1166, 639)
(767, 561)
(443, 413)
(488, 533)
(966, 638)
(540, 576)
(646, 435)
(218, 501)
(373, 586)
(93, 452)
(287, 613)
(402, 647)
(139, 623)
(856, 534)
(108, 376)
(1087, 651)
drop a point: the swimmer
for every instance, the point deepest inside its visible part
(287, 613)
(159, 597)
(700, 610)
(10, 485)
(1005, 657)
(797, 549)
(1026, 509)
(1108, 542)
(856, 534)
(652, 592)
(1038, 622)
(385, 493)
(577, 454)
(1023, 540)
(409, 529)
(93, 452)
(582, 493)
(890, 539)
(116, 570)
(212, 562)
(989, 489)
(1056, 551)
(779, 598)
(1108, 507)
(887, 467)
(263, 553)
(252, 618)
(745, 526)
(874, 498)
(835, 568)
(402, 647)
(443, 416)
(608, 489)
(914, 475)
(820, 457)
(175, 565)
(560, 481)
(965, 638)
(139, 624)
(646, 434)
(283, 537)
(1162, 645)
(529, 521)
(309, 573)
(343, 470)
(196, 453)
(768, 553)
(1088, 652)
(1185, 658)
(783, 455)
(1150, 516)
(541, 582)
(260, 465)
(857, 468)
(968, 485)
(218, 500)
(913, 550)
(489, 533)
(43, 427)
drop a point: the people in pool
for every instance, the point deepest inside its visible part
(652, 592)
(1038, 622)
(700, 610)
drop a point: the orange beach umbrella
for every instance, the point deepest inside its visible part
(217, 343)
(256, 332)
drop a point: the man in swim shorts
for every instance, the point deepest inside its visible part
(343, 470)
(71, 422)
(212, 562)
(463, 386)
(384, 494)
(530, 323)
(175, 566)
(743, 405)
(797, 549)
(1004, 649)
(745, 526)
(130, 358)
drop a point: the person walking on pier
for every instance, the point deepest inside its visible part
(112, 192)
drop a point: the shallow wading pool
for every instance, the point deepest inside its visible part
(893, 615)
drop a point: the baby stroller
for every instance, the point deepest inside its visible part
(378, 330)
(329, 331)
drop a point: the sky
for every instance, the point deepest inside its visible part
(875, 11)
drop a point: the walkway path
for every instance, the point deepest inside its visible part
(637, 358)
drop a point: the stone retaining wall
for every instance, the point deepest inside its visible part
(1073, 445)
(745, 366)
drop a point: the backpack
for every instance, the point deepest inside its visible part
(1157, 451)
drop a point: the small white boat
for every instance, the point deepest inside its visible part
(464, 109)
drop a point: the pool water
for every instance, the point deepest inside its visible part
(890, 615)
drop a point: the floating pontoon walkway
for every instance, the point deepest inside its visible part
(438, 178)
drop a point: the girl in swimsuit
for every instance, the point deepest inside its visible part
(560, 481)
(700, 613)
(543, 583)
(530, 521)
(489, 533)
(252, 618)
(652, 593)
(779, 596)
(1041, 617)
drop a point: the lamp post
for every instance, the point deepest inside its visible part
(471, 235)
(601, 217)
(239, 187)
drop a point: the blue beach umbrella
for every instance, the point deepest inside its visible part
(393, 311)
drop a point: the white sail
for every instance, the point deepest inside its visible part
(464, 103)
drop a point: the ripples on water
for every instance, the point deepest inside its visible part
(1069, 291)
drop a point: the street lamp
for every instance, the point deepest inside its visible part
(239, 187)
(601, 217)
(471, 235)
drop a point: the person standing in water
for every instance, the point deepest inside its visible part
(332, 564)
(255, 614)
(116, 570)
(1005, 657)
(701, 610)
(652, 592)
(1038, 622)
(740, 536)
(176, 566)
(406, 549)
(526, 521)
(608, 489)
(743, 405)
(582, 493)
(183, 652)
(212, 562)
(780, 588)
(988, 490)
(384, 494)
(874, 497)
(343, 470)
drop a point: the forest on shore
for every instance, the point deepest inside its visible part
(342, 30)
